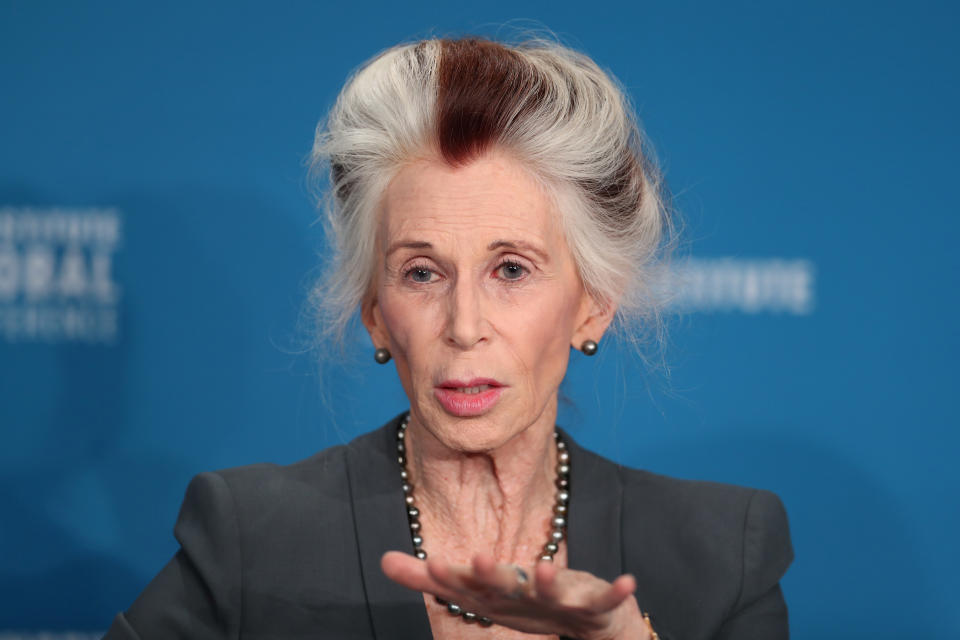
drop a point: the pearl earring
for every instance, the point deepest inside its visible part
(382, 355)
(589, 347)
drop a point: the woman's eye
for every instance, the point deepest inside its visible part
(420, 274)
(511, 271)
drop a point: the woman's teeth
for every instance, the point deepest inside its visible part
(482, 387)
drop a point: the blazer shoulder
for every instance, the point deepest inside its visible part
(321, 479)
(726, 545)
(715, 505)
(716, 515)
(684, 497)
(323, 472)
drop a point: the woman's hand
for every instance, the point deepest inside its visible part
(565, 602)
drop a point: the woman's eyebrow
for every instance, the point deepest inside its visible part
(519, 245)
(408, 244)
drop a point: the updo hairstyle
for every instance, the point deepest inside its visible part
(553, 109)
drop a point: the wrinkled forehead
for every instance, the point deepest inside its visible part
(491, 197)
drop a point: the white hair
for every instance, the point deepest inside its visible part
(552, 108)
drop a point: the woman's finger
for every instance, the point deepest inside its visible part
(411, 572)
(458, 579)
(406, 569)
(621, 589)
(545, 581)
(485, 569)
(485, 575)
(444, 574)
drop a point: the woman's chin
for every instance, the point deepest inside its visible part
(475, 434)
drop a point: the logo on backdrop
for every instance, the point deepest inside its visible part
(746, 285)
(56, 275)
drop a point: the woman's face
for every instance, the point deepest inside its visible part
(478, 299)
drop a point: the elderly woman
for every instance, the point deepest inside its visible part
(491, 208)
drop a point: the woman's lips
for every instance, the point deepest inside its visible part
(468, 398)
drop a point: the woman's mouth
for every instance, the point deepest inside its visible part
(464, 398)
(477, 389)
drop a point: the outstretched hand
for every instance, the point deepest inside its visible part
(557, 601)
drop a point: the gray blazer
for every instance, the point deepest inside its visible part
(294, 551)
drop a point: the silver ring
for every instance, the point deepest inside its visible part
(522, 577)
(522, 580)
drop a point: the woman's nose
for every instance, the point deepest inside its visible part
(466, 324)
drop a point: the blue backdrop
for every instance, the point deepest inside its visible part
(156, 240)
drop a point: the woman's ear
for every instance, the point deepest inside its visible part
(592, 321)
(373, 321)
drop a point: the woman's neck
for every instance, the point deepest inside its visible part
(498, 501)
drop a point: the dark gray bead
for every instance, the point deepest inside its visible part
(402, 461)
(414, 526)
(407, 487)
(556, 535)
(561, 445)
(469, 616)
(413, 512)
(403, 474)
(420, 553)
(562, 483)
(559, 522)
(563, 469)
(551, 547)
(563, 457)
(559, 508)
(418, 541)
(454, 609)
(546, 557)
(400, 447)
(484, 621)
(409, 499)
(563, 496)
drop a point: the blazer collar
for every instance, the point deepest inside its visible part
(380, 522)
(594, 540)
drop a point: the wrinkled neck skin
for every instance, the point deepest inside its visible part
(499, 501)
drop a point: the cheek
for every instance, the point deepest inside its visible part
(539, 332)
(396, 320)
(409, 321)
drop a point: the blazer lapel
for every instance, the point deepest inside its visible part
(380, 521)
(593, 527)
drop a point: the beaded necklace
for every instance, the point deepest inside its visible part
(558, 523)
